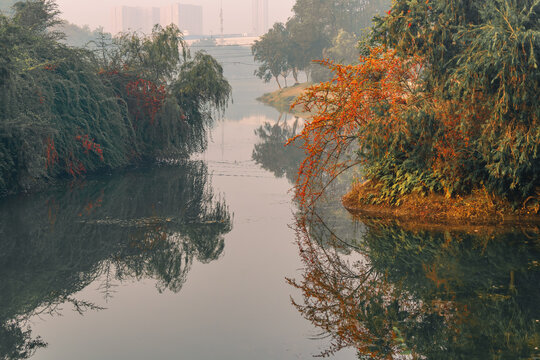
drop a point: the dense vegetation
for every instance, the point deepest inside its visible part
(317, 29)
(68, 111)
(445, 102)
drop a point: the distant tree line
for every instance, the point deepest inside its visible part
(66, 111)
(74, 35)
(318, 29)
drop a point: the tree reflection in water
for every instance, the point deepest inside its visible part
(402, 292)
(143, 224)
(394, 292)
(271, 152)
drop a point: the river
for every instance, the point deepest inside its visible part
(189, 259)
(185, 260)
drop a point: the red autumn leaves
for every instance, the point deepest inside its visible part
(149, 98)
(348, 110)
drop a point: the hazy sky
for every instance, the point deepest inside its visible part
(236, 13)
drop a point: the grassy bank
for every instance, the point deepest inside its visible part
(283, 99)
(477, 208)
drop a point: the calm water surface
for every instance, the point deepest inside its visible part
(189, 260)
(182, 261)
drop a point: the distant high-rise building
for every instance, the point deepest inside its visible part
(188, 18)
(259, 17)
(127, 18)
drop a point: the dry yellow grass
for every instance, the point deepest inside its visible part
(478, 208)
(283, 99)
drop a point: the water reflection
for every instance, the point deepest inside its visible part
(404, 292)
(271, 152)
(143, 224)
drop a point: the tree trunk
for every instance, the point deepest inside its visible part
(295, 75)
(278, 84)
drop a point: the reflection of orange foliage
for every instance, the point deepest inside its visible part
(92, 205)
(359, 307)
(378, 89)
(52, 211)
(338, 300)
(431, 273)
(51, 153)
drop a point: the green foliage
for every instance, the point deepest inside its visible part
(200, 91)
(38, 17)
(155, 57)
(344, 48)
(51, 94)
(326, 18)
(271, 50)
(67, 111)
(481, 84)
(194, 90)
(318, 28)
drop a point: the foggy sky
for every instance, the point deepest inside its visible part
(236, 13)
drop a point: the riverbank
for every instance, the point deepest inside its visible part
(284, 98)
(476, 209)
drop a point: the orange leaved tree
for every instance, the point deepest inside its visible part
(362, 105)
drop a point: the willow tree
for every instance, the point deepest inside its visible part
(68, 111)
(172, 97)
(58, 117)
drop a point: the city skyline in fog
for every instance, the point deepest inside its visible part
(237, 14)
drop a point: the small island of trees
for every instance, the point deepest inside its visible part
(438, 114)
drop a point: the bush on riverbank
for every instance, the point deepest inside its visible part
(446, 106)
(67, 111)
(283, 99)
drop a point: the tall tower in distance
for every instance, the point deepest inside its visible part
(221, 18)
(259, 17)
